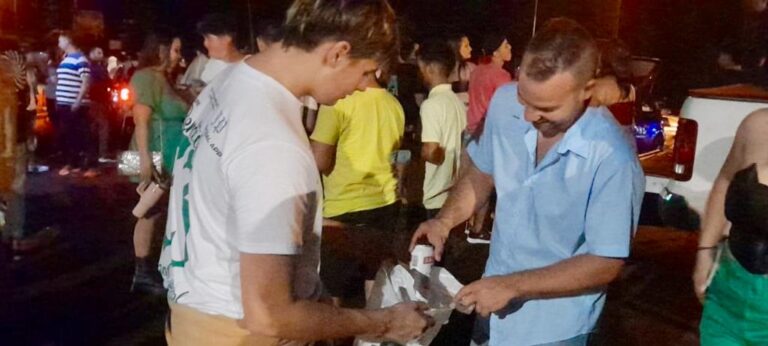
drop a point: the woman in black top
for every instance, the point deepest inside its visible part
(736, 301)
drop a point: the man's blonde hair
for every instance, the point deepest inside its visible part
(368, 25)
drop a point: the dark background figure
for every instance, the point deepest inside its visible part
(73, 81)
(99, 95)
(55, 145)
(743, 51)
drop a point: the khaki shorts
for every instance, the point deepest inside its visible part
(190, 327)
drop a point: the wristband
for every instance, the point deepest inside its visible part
(706, 248)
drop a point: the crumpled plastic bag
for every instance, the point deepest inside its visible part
(397, 284)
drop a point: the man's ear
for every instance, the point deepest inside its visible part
(588, 90)
(336, 53)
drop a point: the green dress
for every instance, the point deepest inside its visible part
(151, 88)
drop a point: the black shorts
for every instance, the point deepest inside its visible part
(351, 255)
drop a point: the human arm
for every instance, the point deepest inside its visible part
(141, 87)
(611, 217)
(270, 308)
(272, 235)
(325, 156)
(85, 75)
(433, 153)
(748, 146)
(471, 191)
(142, 115)
(569, 277)
(431, 132)
(324, 138)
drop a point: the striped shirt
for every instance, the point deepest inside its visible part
(71, 72)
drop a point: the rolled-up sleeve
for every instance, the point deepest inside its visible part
(613, 209)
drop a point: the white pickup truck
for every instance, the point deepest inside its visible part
(698, 143)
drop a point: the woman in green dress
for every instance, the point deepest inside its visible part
(158, 112)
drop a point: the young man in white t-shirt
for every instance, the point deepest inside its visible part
(443, 119)
(241, 249)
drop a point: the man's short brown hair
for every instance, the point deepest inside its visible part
(368, 26)
(562, 45)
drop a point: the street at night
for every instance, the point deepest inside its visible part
(384, 172)
(76, 292)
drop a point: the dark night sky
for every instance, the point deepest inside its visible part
(680, 32)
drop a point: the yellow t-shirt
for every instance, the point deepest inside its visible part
(366, 128)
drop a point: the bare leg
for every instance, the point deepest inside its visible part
(142, 236)
(145, 277)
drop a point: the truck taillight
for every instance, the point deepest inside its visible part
(685, 148)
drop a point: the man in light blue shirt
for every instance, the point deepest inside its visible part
(569, 192)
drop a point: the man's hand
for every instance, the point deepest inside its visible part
(406, 322)
(488, 295)
(705, 260)
(76, 106)
(436, 231)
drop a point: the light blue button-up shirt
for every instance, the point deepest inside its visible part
(584, 197)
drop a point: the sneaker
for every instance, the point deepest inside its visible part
(483, 237)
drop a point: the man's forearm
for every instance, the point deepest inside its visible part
(471, 191)
(569, 277)
(714, 222)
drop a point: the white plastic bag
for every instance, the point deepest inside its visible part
(397, 284)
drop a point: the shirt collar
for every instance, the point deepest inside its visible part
(573, 140)
(440, 88)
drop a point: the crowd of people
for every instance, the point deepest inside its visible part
(279, 212)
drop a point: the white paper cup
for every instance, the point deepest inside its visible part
(422, 259)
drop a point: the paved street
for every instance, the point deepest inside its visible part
(76, 291)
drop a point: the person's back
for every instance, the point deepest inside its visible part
(208, 170)
(484, 81)
(70, 74)
(443, 121)
(366, 128)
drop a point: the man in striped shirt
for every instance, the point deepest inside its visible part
(73, 80)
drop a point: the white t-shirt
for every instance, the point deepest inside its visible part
(443, 118)
(212, 69)
(245, 181)
(195, 70)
